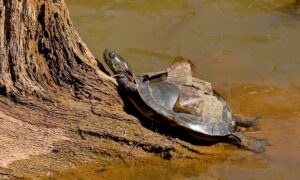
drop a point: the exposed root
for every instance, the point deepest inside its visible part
(164, 152)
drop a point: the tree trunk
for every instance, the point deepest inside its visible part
(41, 53)
(57, 104)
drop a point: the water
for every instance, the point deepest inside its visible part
(248, 49)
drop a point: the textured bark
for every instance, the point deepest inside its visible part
(57, 106)
(41, 53)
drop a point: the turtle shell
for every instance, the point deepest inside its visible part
(181, 72)
(160, 96)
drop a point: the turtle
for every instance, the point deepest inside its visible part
(155, 97)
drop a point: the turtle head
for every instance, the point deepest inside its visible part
(116, 63)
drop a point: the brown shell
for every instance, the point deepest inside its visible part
(194, 92)
(178, 60)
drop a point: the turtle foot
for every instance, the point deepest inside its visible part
(246, 122)
(256, 145)
(125, 84)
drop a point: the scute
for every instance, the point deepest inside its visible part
(194, 92)
(212, 110)
(165, 93)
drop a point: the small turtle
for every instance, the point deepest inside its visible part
(155, 98)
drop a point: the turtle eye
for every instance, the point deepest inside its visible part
(111, 55)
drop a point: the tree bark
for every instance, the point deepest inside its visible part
(57, 104)
(41, 53)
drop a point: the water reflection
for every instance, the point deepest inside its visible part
(248, 49)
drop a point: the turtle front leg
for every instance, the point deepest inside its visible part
(245, 122)
(255, 145)
(125, 84)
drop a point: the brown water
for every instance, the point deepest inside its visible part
(248, 49)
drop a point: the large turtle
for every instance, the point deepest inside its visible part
(156, 98)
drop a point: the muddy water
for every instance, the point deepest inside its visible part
(249, 50)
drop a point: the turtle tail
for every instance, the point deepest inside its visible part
(253, 144)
